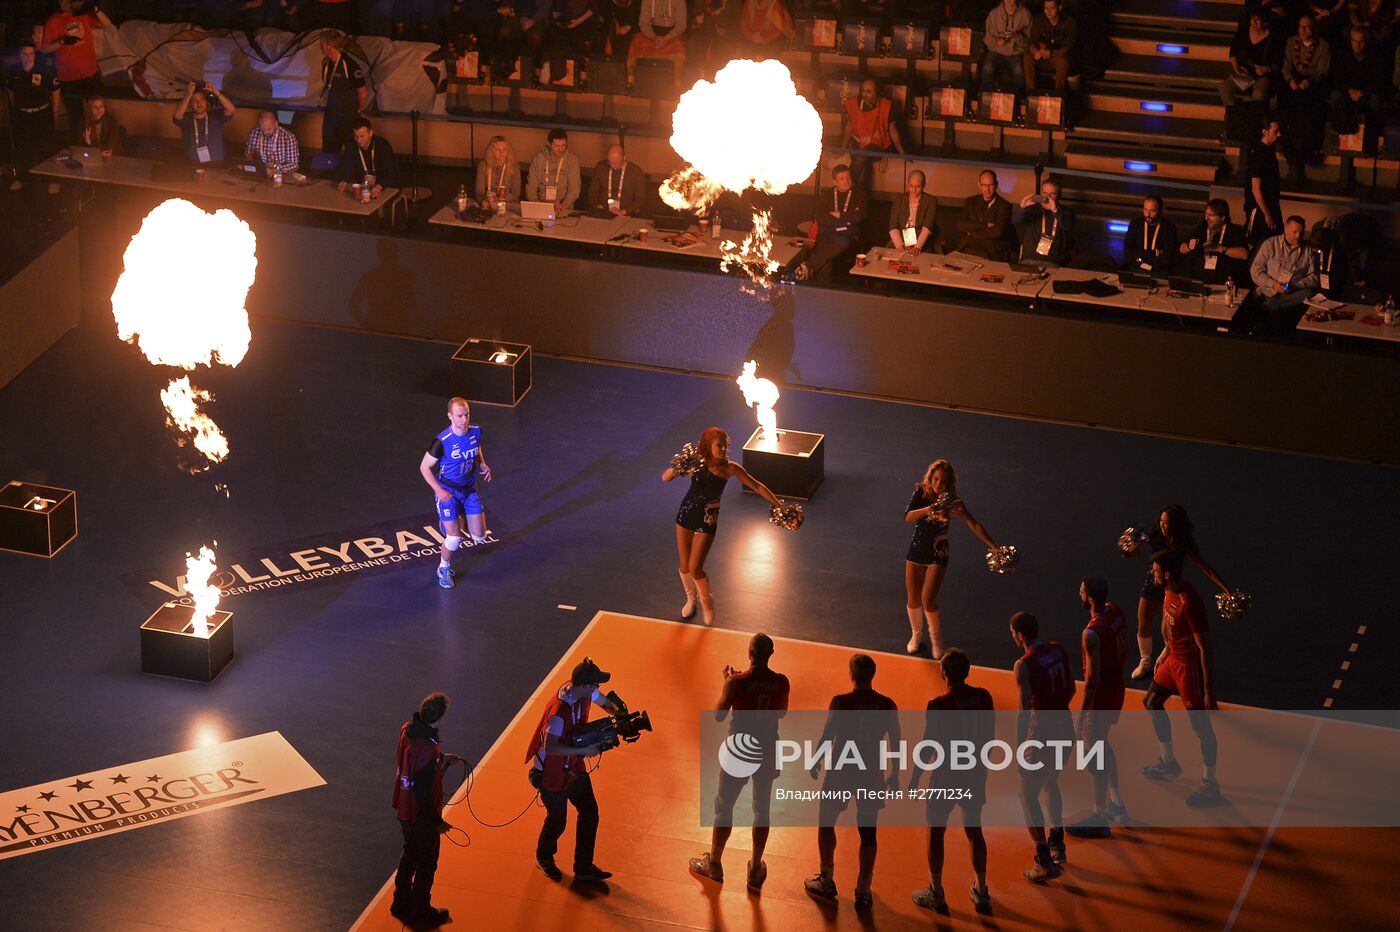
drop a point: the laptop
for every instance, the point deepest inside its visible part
(1182, 284)
(246, 167)
(537, 210)
(324, 164)
(1026, 267)
(671, 223)
(1136, 280)
(85, 153)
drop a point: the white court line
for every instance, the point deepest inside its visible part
(1269, 835)
(545, 684)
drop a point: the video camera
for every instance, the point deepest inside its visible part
(608, 733)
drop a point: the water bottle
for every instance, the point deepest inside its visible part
(277, 178)
(461, 200)
(1388, 315)
(500, 202)
(364, 191)
(714, 227)
(1230, 293)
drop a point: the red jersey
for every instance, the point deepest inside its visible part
(1052, 685)
(756, 689)
(1110, 627)
(1185, 615)
(78, 60)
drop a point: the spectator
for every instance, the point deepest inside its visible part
(714, 25)
(1007, 35)
(101, 128)
(1150, 245)
(1047, 226)
(524, 25)
(1053, 36)
(343, 84)
(1377, 17)
(1217, 249)
(834, 232)
(1358, 81)
(1306, 61)
(985, 222)
(1285, 276)
(33, 104)
(866, 124)
(498, 175)
(273, 145)
(914, 217)
(620, 25)
(368, 159)
(473, 24)
(661, 24)
(201, 128)
(572, 31)
(617, 188)
(1331, 19)
(68, 36)
(1255, 58)
(763, 24)
(1262, 214)
(337, 14)
(554, 173)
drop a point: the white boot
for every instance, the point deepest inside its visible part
(1144, 666)
(935, 633)
(707, 603)
(916, 631)
(691, 595)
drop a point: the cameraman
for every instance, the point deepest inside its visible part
(560, 772)
(418, 801)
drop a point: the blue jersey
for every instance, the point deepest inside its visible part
(457, 457)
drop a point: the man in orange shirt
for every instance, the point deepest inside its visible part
(68, 36)
(867, 124)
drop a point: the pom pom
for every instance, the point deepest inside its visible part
(1131, 541)
(1003, 560)
(787, 515)
(687, 462)
(942, 506)
(1232, 604)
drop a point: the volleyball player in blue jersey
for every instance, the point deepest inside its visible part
(457, 455)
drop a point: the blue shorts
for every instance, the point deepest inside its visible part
(462, 502)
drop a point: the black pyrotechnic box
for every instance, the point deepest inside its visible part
(37, 519)
(491, 371)
(790, 464)
(170, 646)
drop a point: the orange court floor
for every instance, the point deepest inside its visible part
(648, 794)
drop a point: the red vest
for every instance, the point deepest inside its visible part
(559, 771)
(413, 755)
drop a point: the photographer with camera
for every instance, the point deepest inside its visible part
(419, 764)
(559, 768)
(67, 35)
(202, 128)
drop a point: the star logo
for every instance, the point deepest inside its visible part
(47, 796)
(154, 778)
(81, 785)
(120, 778)
(21, 809)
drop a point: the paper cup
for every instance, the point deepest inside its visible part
(860, 260)
(642, 234)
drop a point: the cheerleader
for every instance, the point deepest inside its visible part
(699, 516)
(1173, 532)
(931, 508)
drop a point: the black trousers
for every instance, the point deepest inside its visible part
(556, 805)
(337, 129)
(413, 884)
(34, 139)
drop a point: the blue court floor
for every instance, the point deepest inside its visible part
(327, 429)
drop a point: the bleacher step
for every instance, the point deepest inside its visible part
(1174, 103)
(1162, 162)
(1167, 16)
(1156, 71)
(1148, 129)
(1172, 44)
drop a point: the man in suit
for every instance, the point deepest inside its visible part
(985, 222)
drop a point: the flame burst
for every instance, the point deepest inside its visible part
(180, 299)
(761, 394)
(198, 570)
(748, 128)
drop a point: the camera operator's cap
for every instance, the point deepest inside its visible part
(588, 672)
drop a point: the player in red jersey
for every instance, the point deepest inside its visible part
(969, 790)
(879, 722)
(1105, 646)
(756, 689)
(1046, 685)
(1184, 668)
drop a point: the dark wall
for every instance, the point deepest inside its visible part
(990, 358)
(38, 305)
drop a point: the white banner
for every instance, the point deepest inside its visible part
(149, 792)
(276, 68)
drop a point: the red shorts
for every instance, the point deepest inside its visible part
(1182, 675)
